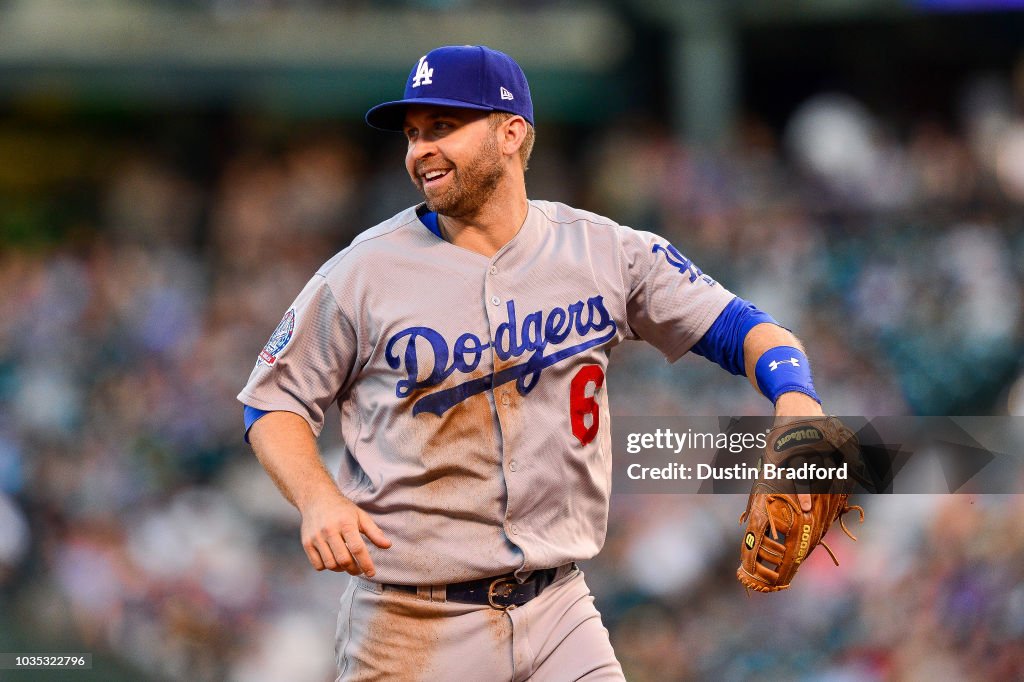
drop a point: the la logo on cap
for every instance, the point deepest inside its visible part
(425, 74)
(505, 94)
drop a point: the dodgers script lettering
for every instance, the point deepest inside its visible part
(534, 337)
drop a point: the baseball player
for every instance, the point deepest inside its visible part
(465, 341)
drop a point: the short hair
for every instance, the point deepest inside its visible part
(496, 118)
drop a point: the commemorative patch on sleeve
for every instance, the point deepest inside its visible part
(279, 339)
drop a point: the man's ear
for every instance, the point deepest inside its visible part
(512, 132)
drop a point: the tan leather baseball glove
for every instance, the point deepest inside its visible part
(787, 516)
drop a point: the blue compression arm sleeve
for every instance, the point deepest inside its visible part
(251, 415)
(723, 342)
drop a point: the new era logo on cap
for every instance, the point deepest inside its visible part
(462, 76)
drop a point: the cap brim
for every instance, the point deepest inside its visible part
(391, 115)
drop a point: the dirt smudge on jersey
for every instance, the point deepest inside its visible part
(470, 420)
(460, 452)
(462, 487)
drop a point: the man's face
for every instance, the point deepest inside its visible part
(453, 158)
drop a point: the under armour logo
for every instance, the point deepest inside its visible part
(505, 94)
(424, 74)
(774, 364)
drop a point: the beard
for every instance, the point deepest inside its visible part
(471, 186)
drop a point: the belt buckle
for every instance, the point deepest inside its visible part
(506, 585)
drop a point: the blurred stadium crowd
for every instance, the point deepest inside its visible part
(135, 523)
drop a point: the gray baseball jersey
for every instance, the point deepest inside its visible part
(473, 408)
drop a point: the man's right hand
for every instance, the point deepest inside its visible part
(332, 530)
(331, 523)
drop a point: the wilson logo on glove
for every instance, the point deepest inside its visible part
(797, 436)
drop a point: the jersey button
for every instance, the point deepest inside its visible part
(494, 269)
(513, 466)
(495, 300)
(514, 529)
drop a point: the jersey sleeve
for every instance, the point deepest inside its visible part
(670, 302)
(309, 359)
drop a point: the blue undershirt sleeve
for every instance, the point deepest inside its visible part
(429, 218)
(723, 342)
(251, 415)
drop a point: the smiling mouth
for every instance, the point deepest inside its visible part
(433, 176)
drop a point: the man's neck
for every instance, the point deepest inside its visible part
(490, 229)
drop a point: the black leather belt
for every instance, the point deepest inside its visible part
(500, 592)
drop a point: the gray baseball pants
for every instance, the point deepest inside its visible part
(390, 635)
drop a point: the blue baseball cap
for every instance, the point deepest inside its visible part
(466, 77)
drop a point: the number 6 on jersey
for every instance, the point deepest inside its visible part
(581, 405)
